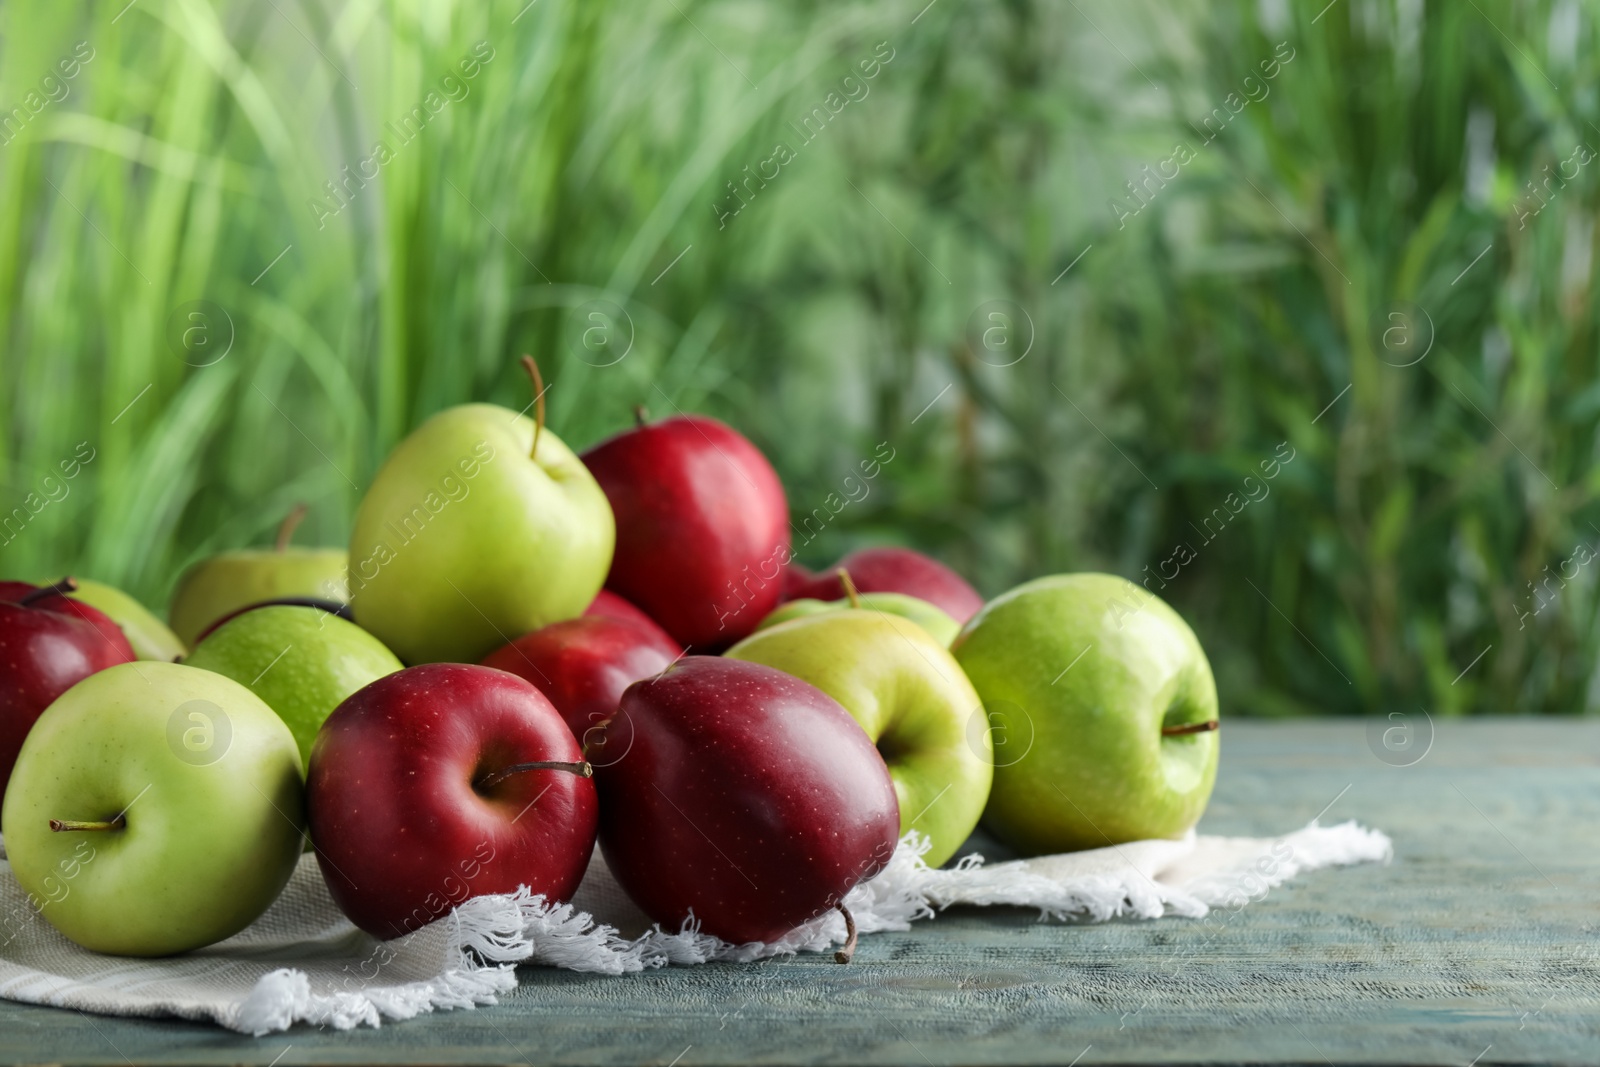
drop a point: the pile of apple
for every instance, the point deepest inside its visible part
(616, 646)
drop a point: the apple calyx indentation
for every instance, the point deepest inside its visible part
(848, 952)
(581, 768)
(287, 526)
(60, 588)
(1191, 728)
(850, 589)
(531, 365)
(60, 825)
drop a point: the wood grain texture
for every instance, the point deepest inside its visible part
(1479, 944)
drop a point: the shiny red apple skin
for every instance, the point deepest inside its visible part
(402, 832)
(895, 570)
(66, 605)
(609, 605)
(702, 527)
(583, 665)
(43, 653)
(742, 794)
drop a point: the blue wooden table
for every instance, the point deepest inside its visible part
(1480, 944)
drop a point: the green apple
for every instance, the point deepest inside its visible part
(1104, 713)
(149, 636)
(302, 661)
(229, 581)
(154, 808)
(467, 539)
(910, 697)
(941, 626)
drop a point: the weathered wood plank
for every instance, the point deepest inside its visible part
(1480, 943)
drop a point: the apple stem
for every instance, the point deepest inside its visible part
(640, 415)
(581, 768)
(531, 365)
(1191, 728)
(587, 744)
(850, 588)
(59, 825)
(61, 588)
(848, 952)
(287, 527)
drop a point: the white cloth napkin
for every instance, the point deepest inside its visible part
(303, 962)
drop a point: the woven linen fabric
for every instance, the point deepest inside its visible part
(303, 962)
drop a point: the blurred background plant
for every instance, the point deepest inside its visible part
(1356, 252)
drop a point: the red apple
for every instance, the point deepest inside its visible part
(443, 782)
(583, 665)
(43, 653)
(740, 794)
(895, 570)
(702, 527)
(57, 600)
(609, 605)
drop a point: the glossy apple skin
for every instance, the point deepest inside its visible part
(702, 527)
(110, 631)
(43, 653)
(232, 580)
(898, 681)
(941, 627)
(208, 781)
(583, 665)
(327, 607)
(303, 662)
(742, 794)
(402, 831)
(465, 540)
(896, 570)
(150, 637)
(609, 605)
(1080, 760)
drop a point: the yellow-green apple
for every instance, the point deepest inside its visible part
(326, 607)
(155, 808)
(302, 661)
(481, 526)
(228, 581)
(898, 682)
(1107, 709)
(150, 637)
(941, 627)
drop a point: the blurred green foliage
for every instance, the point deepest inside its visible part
(1359, 235)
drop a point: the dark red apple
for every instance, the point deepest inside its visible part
(895, 570)
(43, 653)
(702, 527)
(740, 794)
(583, 665)
(327, 607)
(57, 600)
(609, 605)
(443, 782)
(795, 578)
